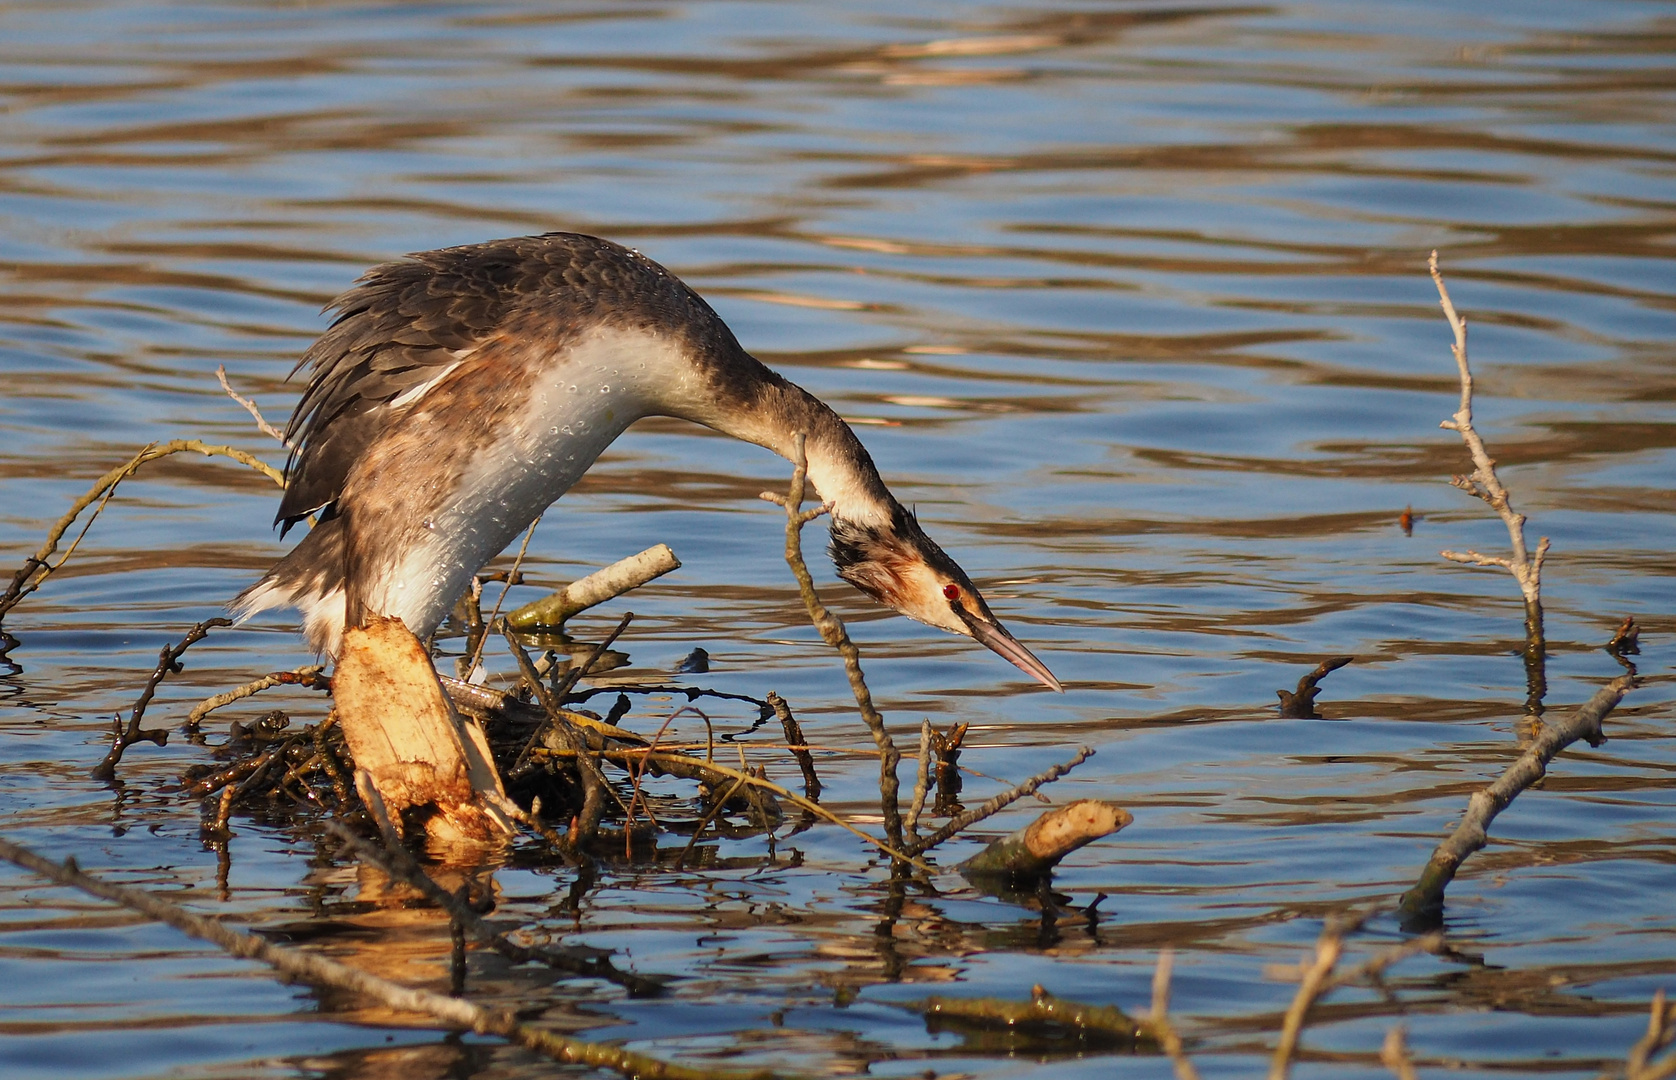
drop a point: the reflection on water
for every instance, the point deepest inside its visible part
(1130, 304)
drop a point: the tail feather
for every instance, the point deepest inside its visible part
(310, 579)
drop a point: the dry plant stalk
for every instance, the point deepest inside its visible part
(36, 569)
(1661, 1032)
(1422, 905)
(1314, 982)
(321, 971)
(1158, 1020)
(1394, 1055)
(1483, 483)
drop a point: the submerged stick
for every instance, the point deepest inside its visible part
(598, 587)
(1422, 906)
(320, 971)
(832, 631)
(26, 581)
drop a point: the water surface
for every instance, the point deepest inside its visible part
(1129, 300)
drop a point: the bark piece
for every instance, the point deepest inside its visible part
(403, 731)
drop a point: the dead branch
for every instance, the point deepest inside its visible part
(308, 675)
(798, 746)
(1033, 851)
(833, 633)
(922, 782)
(1157, 1022)
(321, 971)
(971, 817)
(168, 662)
(1300, 705)
(1483, 483)
(1422, 905)
(1094, 1023)
(596, 588)
(36, 569)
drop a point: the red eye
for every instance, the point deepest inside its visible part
(952, 591)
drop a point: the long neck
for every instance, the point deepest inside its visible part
(755, 404)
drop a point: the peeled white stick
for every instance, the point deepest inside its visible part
(596, 588)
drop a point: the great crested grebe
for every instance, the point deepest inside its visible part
(460, 392)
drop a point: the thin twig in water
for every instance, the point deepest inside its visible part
(168, 661)
(968, 818)
(36, 569)
(832, 631)
(320, 971)
(1394, 1055)
(250, 406)
(308, 675)
(798, 745)
(1661, 1032)
(1315, 982)
(1483, 483)
(511, 579)
(1158, 1020)
(922, 782)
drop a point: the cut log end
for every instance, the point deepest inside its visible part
(1033, 851)
(404, 733)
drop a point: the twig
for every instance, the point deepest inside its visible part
(308, 675)
(1394, 1055)
(1661, 1032)
(512, 578)
(168, 661)
(833, 633)
(1483, 483)
(26, 581)
(681, 764)
(1315, 982)
(971, 817)
(1158, 1020)
(1422, 906)
(250, 407)
(922, 782)
(320, 971)
(594, 785)
(798, 745)
(578, 672)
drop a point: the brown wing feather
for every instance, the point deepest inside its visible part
(404, 322)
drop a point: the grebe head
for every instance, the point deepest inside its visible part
(902, 568)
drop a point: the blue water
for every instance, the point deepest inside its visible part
(1128, 300)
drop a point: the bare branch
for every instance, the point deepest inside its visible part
(1423, 904)
(168, 662)
(250, 407)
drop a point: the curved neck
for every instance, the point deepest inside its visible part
(751, 402)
